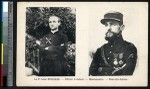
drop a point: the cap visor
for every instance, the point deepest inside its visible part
(103, 21)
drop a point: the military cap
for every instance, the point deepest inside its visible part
(115, 16)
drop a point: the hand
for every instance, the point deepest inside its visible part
(118, 68)
(46, 48)
(62, 45)
(38, 42)
(50, 48)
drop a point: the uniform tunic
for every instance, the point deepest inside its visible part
(117, 58)
(52, 59)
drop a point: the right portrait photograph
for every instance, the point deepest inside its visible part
(118, 56)
(117, 41)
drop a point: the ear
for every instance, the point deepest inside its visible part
(122, 27)
(59, 23)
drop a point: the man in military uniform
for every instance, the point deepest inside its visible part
(117, 57)
(52, 49)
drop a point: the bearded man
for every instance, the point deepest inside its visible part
(117, 57)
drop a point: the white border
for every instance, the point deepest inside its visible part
(85, 16)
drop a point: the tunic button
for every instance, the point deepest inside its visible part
(110, 52)
(111, 46)
(108, 58)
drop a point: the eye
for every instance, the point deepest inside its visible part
(115, 24)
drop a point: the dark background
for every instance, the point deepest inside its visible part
(37, 21)
(37, 26)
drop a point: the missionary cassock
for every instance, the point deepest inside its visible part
(52, 49)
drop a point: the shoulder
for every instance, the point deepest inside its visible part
(106, 45)
(61, 33)
(130, 46)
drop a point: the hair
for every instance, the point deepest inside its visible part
(59, 20)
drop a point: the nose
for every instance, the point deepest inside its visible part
(51, 23)
(108, 29)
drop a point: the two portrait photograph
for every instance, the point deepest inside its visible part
(82, 43)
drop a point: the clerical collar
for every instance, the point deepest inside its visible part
(54, 31)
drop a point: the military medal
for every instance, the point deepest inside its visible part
(120, 62)
(115, 61)
(121, 55)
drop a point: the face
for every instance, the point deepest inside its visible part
(54, 22)
(113, 28)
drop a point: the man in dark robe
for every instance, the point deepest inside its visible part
(52, 48)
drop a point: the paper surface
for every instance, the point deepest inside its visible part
(90, 35)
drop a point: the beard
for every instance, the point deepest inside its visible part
(111, 36)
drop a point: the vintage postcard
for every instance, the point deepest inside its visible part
(82, 44)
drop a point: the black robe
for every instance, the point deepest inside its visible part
(52, 59)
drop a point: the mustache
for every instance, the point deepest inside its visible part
(109, 32)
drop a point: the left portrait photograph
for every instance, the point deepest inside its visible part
(50, 41)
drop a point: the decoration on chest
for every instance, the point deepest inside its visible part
(118, 59)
